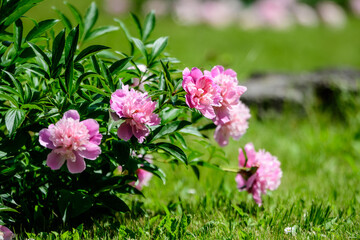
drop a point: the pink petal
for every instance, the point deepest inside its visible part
(125, 131)
(230, 72)
(78, 166)
(221, 136)
(55, 160)
(196, 73)
(91, 152)
(140, 133)
(93, 128)
(72, 114)
(240, 182)
(44, 138)
(8, 234)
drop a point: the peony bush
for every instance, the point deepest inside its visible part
(107, 115)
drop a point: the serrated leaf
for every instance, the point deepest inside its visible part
(148, 25)
(90, 50)
(42, 27)
(13, 119)
(18, 32)
(100, 31)
(174, 151)
(159, 46)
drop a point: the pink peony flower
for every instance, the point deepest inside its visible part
(5, 233)
(202, 92)
(236, 127)
(144, 176)
(267, 176)
(71, 140)
(230, 92)
(136, 109)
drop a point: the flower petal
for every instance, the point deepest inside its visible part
(72, 114)
(78, 166)
(93, 128)
(221, 136)
(44, 138)
(91, 152)
(125, 131)
(55, 160)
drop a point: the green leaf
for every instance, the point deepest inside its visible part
(41, 28)
(140, 45)
(31, 106)
(204, 164)
(64, 20)
(90, 50)
(82, 77)
(77, 17)
(10, 99)
(57, 50)
(15, 11)
(107, 76)
(119, 65)
(159, 46)
(13, 119)
(90, 18)
(100, 31)
(8, 209)
(137, 23)
(40, 54)
(71, 44)
(93, 89)
(114, 202)
(69, 75)
(148, 25)
(169, 128)
(124, 28)
(174, 151)
(18, 32)
(154, 170)
(167, 77)
(17, 84)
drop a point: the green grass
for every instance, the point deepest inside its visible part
(319, 194)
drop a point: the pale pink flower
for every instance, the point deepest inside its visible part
(267, 176)
(202, 92)
(305, 15)
(144, 176)
(71, 140)
(332, 14)
(117, 6)
(274, 13)
(219, 13)
(5, 233)
(136, 108)
(355, 7)
(229, 89)
(236, 127)
(136, 81)
(187, 11)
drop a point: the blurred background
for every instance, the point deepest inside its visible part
(264, 41)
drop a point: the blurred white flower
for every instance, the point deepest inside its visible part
(331, 14)
(355, 7)
(305, 15)
(289, 230)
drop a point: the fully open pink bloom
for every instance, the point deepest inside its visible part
(5, 233)
(136, 109)
(202, 92)
(236, 127)
(230, 91)
(71, 140)
(267, 176)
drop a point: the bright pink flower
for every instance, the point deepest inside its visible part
(144, 176)
(71, 140)
(236, 127)
(267, 176)
(5, 233)
(136, 109)
(202, 92)
(230, 92)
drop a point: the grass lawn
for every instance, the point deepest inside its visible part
(319, 195)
